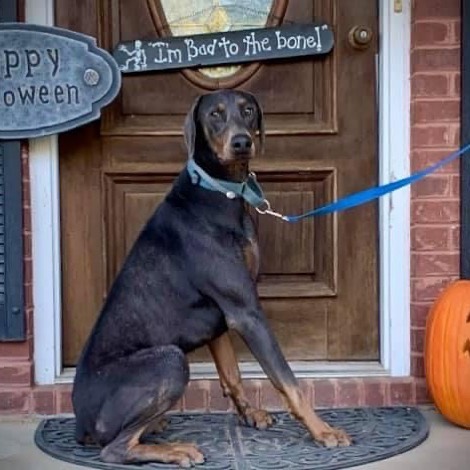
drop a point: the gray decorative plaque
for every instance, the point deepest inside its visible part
(51, 80)
(231, 47)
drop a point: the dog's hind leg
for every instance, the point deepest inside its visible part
(141, 388)
(157, 426)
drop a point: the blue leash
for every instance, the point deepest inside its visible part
(251, 191)
(371, 194)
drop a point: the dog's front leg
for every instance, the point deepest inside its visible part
(255, 331)
(236, 296)
(230, 380)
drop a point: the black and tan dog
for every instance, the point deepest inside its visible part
(188, 279)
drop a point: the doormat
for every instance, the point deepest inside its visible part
(377, 433)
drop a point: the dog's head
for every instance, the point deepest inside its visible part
(222, 126)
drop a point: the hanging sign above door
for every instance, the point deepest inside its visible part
(51, 80)
(177, 52)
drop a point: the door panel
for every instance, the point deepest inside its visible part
(318, 279)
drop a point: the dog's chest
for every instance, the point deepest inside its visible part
(250, 246)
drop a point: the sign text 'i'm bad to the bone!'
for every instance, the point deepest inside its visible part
(233, 47)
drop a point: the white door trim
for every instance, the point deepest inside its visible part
(45, 226)
(394, 149)
(394, 145)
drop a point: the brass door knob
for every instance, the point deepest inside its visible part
(360, 37)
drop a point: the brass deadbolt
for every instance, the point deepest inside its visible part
(360, 37)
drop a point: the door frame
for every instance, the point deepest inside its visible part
(393, 68)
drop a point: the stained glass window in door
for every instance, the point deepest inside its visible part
(185, 17)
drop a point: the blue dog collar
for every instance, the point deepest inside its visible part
(249, 190)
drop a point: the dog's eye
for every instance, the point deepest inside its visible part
(248, 112)
(216, 113)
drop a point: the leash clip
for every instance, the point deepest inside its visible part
(267, 210)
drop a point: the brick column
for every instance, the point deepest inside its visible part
(435, 132)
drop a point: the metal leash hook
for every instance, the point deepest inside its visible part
(269, 211)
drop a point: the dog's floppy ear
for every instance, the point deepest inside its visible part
(260, 123)
(190, 126)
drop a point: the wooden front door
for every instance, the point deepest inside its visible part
(318, 282)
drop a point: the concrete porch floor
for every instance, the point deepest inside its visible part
(447, 448)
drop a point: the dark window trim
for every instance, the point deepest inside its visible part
(465, 139)
(12, 318)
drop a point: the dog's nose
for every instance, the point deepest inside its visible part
(241, 143)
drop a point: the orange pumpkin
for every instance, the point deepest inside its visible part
(447, 353)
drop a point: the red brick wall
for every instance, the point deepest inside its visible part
(435, 101)
(435, 128)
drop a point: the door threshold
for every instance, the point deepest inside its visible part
(301, 369)
(252, 370)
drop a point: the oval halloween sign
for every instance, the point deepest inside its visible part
(51, 80)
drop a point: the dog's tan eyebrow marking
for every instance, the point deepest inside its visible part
(242, 102)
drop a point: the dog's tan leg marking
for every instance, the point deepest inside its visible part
(320, 431)
(184, 455)
(231, 383)
(157, 426)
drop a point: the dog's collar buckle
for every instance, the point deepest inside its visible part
(195, 178)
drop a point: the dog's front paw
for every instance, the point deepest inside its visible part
(259, 419)
(333, 438)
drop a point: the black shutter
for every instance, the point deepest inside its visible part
(465, 139)
(11, 244)
(8, 10)
(12, 320)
